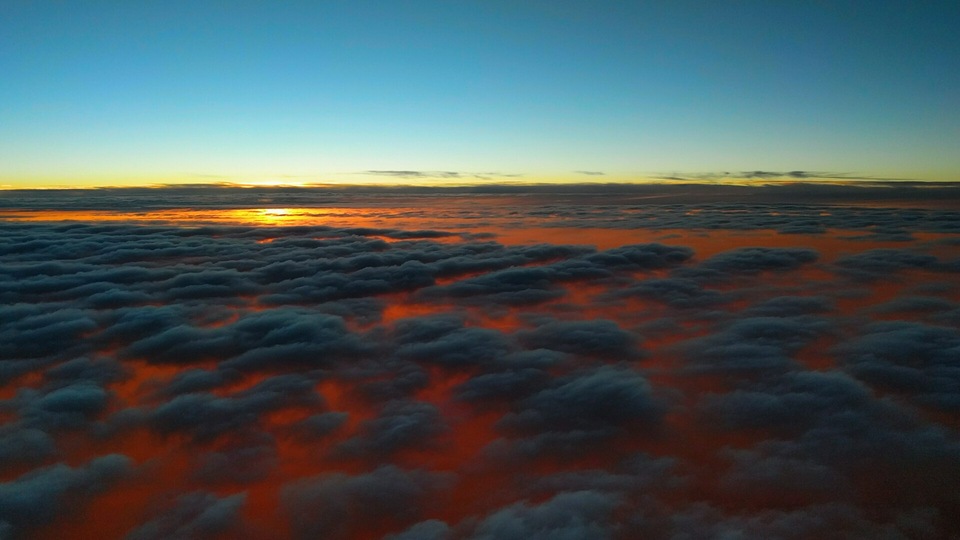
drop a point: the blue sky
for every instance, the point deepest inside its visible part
(103, 92)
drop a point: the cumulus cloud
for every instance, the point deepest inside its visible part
(597, 338)
(237, 459)
(675, 292)
(444, 340)
(883, 263)
(400, 424)
(747, 262)
(38, 497)
(319, 425)
(19, 444)
(829, 427)
(432, 529)
(579, 514)
(195, 515)
(753, 344)
(337, 506)
(636, 474)
(791, 306)
(31, 336)
(206, 416)
(812, 521)
(919, 360)
(594, 403)
(530, 285)
(506, 384)
(424, 380)
(787, 403)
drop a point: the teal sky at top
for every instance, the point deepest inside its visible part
(111, 91)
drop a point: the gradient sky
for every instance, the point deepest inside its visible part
(107, 93)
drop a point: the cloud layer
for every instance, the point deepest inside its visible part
(255, 381)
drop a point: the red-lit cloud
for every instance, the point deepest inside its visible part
(690, 373)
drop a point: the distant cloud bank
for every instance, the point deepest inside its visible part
(689, 191)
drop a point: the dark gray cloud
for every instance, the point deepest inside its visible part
(21, 444)
(100, 371)
(338, 506)
(318, 425)
(196, 515)
(674, 292)
(73, 399)
(641, 257)
(919, 360)
(282, 338)
(824, 431)
(782, 480)
(570, 413)
(206, 416)
(884, 263)
(197, 380)
(597, 338)
(512, 376)
(444, 340)
(747, 262)
(601, 400)
(530, 285)
(787, 404)
(239, 459)
(31, 336)
(812, 521)
(39, 415)
(399, 425)
(500, 385)
(129, 324)
(932, 310)
(637, 474)
(431, 529)
(269, 340)
(579, 514)
(38, 497)
(71, 406)
(916, 305)
(791, 306)
(753, 344)
(576, 504)
(396, 379)
(513, 287)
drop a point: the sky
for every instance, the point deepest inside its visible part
(439, 92)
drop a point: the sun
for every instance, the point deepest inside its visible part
(271, 183)
(274, 216)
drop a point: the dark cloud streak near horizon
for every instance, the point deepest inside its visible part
(794, 193)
